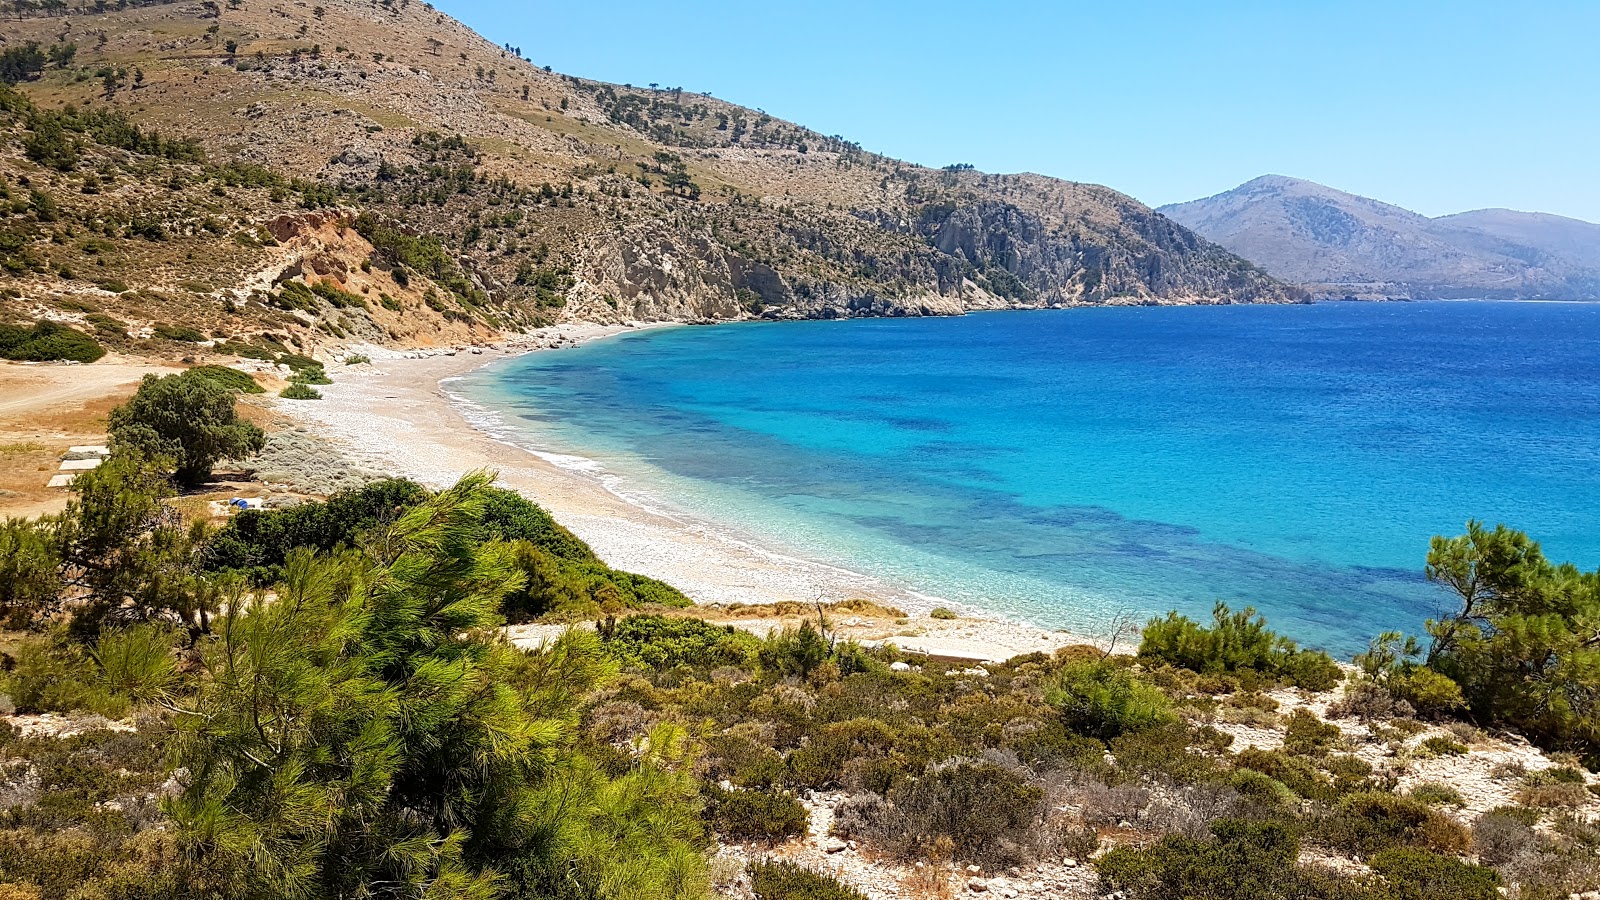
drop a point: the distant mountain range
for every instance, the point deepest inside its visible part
(1341, 245)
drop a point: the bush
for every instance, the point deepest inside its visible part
(299, 390)
(1420, 875)
(783, 880)
(30, 569)
(745, 815)
(256, 542)
(1554, 788)
(509, 516)
(1370, 822)
(989, 814)
(822, 762)
(1309, 735)
(1243, 861)
(1369, 701)
(794, 651)
(666, 642)
(1428, 692)
(181, 333)
(1434, 793)
(1236, 642)
(51, 678)
(1104, 700)
(940, 612)
(1297, 772)
(47, 341)
(1439, 745)
(1504, 834)
(230, 379)
(187, 419)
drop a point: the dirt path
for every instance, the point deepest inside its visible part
(46, 408)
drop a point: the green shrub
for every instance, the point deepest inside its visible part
(1430, 693)
(304, 368)
(256, 542)
(47, 341)
(1439, 745)
(1370, 822)
(30, 569)
(1309, 735)
(940, 612)
(794, 651)
(1172, 751)
(49, 678)
(1262, 789)
(509, 516)
(180, 333)
(784, 880)
(1435, 794)
(666, 642)
(821, 762)
(231, 379)
(299, 390)
(1420, 875)
(1296, 772)
(1103, 700)
(1242, 861)
(1236, 642)
(746, 815)
(356, 359)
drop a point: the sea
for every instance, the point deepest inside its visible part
(1070, 467)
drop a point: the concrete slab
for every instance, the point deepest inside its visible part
(60, 481)
(81, 465)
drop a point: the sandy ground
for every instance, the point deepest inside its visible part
(392, 415)
(46, 408)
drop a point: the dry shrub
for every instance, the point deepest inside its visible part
(1104, 804)
(1466, 733)
(1554, 795)
(990, 813)
(1368, 701)
(1503, 836)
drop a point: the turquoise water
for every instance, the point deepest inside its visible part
(1060, 466)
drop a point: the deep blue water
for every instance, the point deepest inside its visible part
(1060, 466)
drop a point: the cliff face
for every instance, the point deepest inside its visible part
(1338, 244)
(496, 194)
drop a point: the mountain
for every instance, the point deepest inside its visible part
(1338, 244)
(439, 187)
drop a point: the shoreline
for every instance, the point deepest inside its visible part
(397, 415)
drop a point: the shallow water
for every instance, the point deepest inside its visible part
(1061, 466)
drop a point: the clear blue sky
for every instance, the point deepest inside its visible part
(1437, 106)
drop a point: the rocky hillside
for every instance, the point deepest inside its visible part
(1338, 244)
(457, 187)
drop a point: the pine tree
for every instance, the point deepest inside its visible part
(368, 733)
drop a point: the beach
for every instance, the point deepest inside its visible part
(393, 415)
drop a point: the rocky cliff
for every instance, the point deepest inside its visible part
(486, 193)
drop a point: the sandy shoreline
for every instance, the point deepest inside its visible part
(392, 415)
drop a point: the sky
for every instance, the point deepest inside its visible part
(1439, 107)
